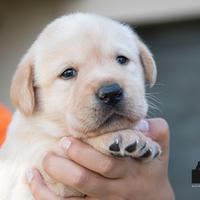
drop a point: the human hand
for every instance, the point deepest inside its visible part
(101, 177)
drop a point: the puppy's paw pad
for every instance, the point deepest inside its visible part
(123, 145)
(115, 146)
(147, 154)
(151, 151)
(132, 147)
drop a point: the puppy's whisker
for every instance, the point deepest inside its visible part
(154, 103)
(155, 85)
(154, 99)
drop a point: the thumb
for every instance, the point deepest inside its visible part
(157, 129)
(159, 132)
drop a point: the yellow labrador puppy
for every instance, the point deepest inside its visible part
(84, 77)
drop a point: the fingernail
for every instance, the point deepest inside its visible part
(65, 143)
(29, 175)
(142, 126)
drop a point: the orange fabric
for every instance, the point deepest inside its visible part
(5, 118)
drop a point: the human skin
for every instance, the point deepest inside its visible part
(101, 177)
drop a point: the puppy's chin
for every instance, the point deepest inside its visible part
(101, 120)
(116, 122)
(102, 125)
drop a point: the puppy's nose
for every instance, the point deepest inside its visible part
(110, 94)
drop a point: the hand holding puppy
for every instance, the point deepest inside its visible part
(102, 177)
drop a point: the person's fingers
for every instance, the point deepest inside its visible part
(73, 175)
(90, 158)
(159, 131)
(38, 188)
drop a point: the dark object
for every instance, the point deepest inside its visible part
(198, 166)
(131, 148)
(122, 60)
(114, 147)
(196, 174)
(146, 154)
(110, 94)
(68, 73)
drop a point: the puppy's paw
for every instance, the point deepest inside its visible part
(125, 143)
(133, 144)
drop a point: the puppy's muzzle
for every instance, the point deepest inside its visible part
(110, 94)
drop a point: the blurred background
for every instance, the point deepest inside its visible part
(172, 31)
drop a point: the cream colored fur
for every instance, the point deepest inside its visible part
(49, 107)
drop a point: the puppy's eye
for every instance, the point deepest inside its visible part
(122, 60)
(68, 73)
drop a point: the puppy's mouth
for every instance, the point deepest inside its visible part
(115, 121)
(113, 118)
(101, 120)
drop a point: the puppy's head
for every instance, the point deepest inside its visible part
(87, 73)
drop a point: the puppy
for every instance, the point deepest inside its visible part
(84, 77)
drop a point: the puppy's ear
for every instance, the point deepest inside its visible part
(22, 91)
(148, 63)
